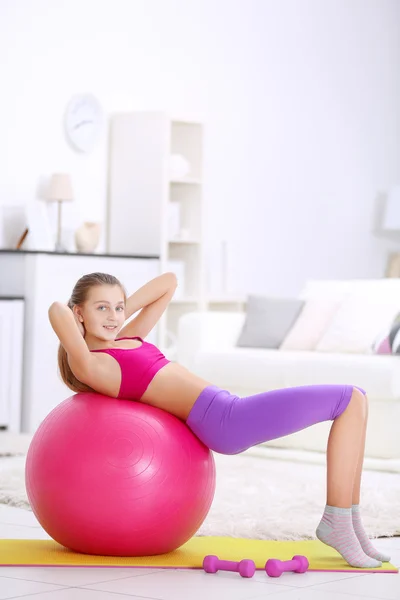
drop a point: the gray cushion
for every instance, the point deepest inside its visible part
(268, 321)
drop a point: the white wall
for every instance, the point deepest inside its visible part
(328, 121)
(300, 98)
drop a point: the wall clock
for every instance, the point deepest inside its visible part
(83, 122)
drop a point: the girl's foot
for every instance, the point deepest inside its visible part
(336, 530)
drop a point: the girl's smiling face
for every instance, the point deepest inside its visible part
(103, 312)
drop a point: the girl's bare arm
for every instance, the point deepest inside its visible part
(67, 330)
(151, 299)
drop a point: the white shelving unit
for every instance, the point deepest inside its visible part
(153, 211)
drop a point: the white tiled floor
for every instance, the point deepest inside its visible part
(67, 583)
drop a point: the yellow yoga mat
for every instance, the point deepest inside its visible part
(189, 556)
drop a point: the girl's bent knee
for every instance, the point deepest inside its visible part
(359, 399)
(356, 387)
(359, 394)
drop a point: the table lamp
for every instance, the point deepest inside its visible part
(59, 190)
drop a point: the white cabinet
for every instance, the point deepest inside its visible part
(41, 278)
(11, 353)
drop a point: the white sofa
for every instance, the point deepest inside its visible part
(207, 346)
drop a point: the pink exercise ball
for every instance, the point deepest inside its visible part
(118, 478)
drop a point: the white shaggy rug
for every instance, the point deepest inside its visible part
(262, 498)
(12, 444)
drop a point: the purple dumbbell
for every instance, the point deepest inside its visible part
(212, 564)
(275, 567)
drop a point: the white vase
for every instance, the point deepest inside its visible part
(179, 166)
(87, 237)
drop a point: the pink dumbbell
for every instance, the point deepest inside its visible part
(275, 567)
(212, 564)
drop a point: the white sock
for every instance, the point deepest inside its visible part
(363, 538)
(336, 530)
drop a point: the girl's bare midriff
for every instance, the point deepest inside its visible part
(174, 389)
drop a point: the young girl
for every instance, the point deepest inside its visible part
(98, 353)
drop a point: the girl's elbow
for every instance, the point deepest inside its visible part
(54, 306)
(173, 279)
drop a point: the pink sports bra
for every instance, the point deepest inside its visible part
(138, 367)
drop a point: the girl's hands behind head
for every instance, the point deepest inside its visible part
(80, 325)
(77, 321)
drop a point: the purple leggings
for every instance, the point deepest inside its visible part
(229, 425)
